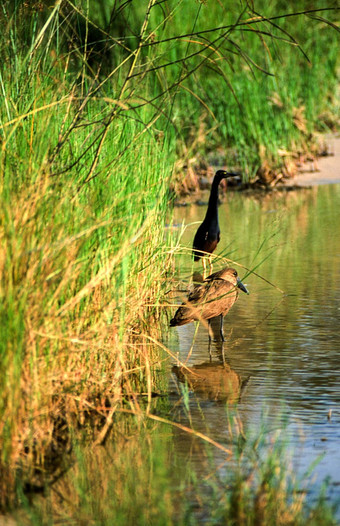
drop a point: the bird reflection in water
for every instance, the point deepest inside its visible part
(212, 381)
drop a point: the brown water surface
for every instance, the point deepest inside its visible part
(282, 349)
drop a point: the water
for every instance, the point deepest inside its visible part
(283, 348)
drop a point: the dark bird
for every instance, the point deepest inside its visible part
(214, 297)
(208, 233)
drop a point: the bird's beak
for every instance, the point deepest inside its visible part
(241, 286)
(233, 174)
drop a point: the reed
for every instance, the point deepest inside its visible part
(82, 254)
(260, 106)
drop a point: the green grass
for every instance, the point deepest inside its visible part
(79, 261)
(258, 95)
(90, 138)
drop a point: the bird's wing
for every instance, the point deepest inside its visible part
(210, 291)
(215, 275)
(219, 299)
(197, 294)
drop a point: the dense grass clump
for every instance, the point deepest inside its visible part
(255, 100)
(81, 252)
(94, 108)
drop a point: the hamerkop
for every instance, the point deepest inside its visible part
(208, 233)
(214, 297)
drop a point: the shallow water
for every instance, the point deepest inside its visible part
(283, 347)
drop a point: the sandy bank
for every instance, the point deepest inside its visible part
(326, 170)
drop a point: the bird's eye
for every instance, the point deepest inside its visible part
(235, 273)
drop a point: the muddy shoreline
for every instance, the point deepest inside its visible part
(322, 170)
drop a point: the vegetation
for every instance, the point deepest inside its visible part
(96, 111)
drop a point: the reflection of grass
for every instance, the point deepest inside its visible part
(127, 482)
(142, 477)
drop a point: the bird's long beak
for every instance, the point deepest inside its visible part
(233, 174)
(241, 286)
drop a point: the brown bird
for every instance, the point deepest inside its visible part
(208, 233)
(214, 297)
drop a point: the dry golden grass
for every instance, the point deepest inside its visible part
(74, 335)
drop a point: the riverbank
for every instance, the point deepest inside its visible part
(322, 170)
(318, 169)
(206, 455)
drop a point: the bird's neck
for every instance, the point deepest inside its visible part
(212, 205)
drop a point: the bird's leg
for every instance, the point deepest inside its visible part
(221, 328)
(210, 265)
(209, 346)
(204, 262)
